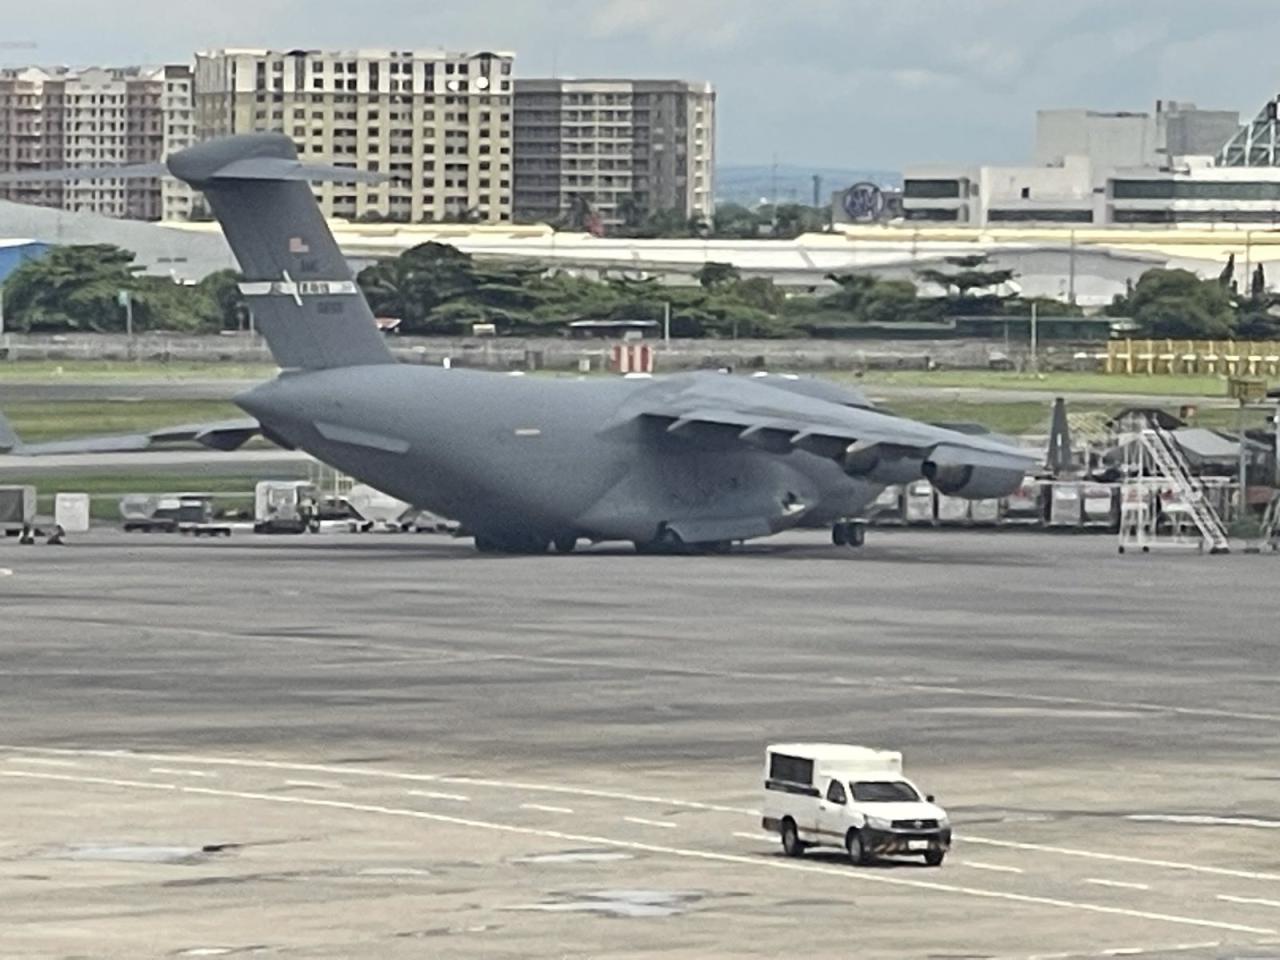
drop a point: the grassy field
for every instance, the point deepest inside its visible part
(1065, 383)
(57, 419)
(52, 371)
(1030, 417)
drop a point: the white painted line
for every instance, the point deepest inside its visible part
(664, 824)
(845, 874)
(176, 772)
(762, 837)
(543, 808)
(990, 866)
(434, 795)
(44, 761)
(313, 785)
(1124, 952)
(1121, 858)
(354, 771)
(1204, 821)
(601, 794)
(1252, 901)
(5, 572)
(1100, 882)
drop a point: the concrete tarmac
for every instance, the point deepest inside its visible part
(393, 747)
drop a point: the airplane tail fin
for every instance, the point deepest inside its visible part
(9, 441)
(304, 298)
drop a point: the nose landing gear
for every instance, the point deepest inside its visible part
(849, 533)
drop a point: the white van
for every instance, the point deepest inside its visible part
(835, 795)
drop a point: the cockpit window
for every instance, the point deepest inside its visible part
(883, 791)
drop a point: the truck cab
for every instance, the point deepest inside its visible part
(850, 797)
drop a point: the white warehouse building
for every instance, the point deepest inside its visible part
(1178, 165)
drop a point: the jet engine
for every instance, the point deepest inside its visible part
(974, 475)
(880, 463)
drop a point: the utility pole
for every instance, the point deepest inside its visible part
(1071, 270)
(1035, 341)
(666, 324)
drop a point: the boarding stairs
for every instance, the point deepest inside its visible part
(1161, 464)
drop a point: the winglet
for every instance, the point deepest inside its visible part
(9, 440)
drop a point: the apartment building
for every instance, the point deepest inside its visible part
(438, 124)
(628, 148)
(52, 118)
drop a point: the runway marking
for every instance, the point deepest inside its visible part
(313, 785)
(1121, 884)
(976, 865)
(1122, 858)
(176, 772)
(1252, 901)
(352, 771)
(544, 808)
(664, 824)
(435, 795)
(600, 794)
(1201, 820)
(846, 874)
(44, 761)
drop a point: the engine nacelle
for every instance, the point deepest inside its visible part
(881, 465)
(973, 482)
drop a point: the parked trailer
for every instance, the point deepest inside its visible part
(17, 509)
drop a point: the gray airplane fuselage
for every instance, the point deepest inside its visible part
(532, 458)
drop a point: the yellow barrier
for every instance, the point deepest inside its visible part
(1231, 358)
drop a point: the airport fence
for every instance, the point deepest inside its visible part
(557, 353)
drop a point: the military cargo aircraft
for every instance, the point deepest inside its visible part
(686, 462)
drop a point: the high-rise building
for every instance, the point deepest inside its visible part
(621, 149)
(51, 118)
(438, 124)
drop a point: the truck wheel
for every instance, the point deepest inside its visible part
(858, 855)
(791, 843)
(934, 858)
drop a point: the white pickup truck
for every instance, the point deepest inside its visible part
(834, 795)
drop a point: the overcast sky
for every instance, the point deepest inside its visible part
(839, 83)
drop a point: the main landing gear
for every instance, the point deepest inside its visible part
(849, 533)
(526, 544)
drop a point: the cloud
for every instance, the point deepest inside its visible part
(853, 83)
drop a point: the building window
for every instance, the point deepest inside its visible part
(931, 189)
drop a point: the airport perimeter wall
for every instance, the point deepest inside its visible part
(556, 353)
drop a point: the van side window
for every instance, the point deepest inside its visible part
(835, 792)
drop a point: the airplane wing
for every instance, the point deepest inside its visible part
(222, 435)
(712, 408)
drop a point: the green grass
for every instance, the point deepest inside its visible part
(51, 371)
(1032, 417)
(59, 419)
(1057, 382)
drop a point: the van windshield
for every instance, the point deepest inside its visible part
(883, 791)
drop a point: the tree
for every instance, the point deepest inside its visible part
(70, 288)
(732, 221)
(716, 274)
(1177, 303)
(868, 299)
(223, 290)
(417, 282)
(631, 210)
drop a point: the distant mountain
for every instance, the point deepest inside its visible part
(749, 184)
